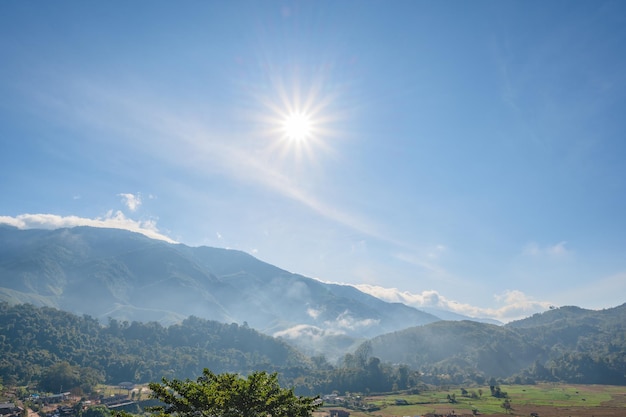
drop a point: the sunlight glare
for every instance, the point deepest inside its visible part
(297, 121)
(297, 126)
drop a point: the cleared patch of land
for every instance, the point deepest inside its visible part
(553, 400)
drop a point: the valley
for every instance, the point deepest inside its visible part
(553, 400)
(81, 307)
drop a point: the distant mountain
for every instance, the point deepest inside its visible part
(564, 344)
(136, 286)
(572, 315)
(452, 316)
(111, 273)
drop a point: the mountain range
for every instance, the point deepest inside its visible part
(112, 273)
(126, 279)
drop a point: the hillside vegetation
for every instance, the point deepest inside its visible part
(51, 348)
(566, 344)
(130, 308)
(34, 339)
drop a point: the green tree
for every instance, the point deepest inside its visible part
(403, 376)
(362, 354)
(230, 395)
(59, 377)
(90, 378)
(96, 411)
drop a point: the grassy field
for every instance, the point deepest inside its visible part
(108, 390)
(545, 399)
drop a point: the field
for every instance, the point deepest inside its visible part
(546, 400)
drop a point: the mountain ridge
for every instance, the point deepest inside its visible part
(128, 276)
(562, 344)
(130, 279)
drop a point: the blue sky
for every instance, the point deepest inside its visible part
(462, 155)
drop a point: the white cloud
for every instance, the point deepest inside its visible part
(554, 251)
(112, 220)
(132, 201)
(517, 305)
(514, 304)
(345, 321)
(313, 313)
(299, 331)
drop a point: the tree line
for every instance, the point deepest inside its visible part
(52, 349)
(33, 341)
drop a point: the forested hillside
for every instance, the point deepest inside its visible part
(450, 348)
(34, 339)
(50, 348)
(566, 344)
(586, 346)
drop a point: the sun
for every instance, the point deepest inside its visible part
(297, 126)
(297, 119)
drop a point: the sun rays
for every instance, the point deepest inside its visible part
(297, 126)
(297, 120)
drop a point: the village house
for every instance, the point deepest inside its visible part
(9, 409)
(339, 413)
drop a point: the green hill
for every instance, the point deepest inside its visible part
(565, 344)
(33, 339)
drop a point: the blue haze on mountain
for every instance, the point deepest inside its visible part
(111, 273)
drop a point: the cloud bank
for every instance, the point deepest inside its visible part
(112, 220)
(514, 304)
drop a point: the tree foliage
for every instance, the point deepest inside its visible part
(59, 376)
(60, 349)
(229, 395)
(96, 411)
(566, 344)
